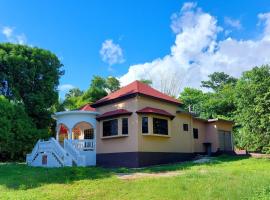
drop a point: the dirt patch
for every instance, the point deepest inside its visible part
(147, 175)
(259, 155)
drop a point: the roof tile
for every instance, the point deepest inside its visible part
(136, 87)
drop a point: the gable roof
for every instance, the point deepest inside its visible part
(86, 107)
(133, 89)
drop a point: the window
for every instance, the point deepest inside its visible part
(110, 127)
(185, 127)
(195, 133)
(160, 126)
(144, 124)
(89, 134)
(124, 126)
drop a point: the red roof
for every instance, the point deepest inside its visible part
(133, 88)
(113, 113)
(86, 107)
(149, 110)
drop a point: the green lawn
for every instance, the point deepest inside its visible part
(224, 178)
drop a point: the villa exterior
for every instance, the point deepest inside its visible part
(132, 127)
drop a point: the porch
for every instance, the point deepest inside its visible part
(75, 142)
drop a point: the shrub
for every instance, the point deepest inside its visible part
(18, 133)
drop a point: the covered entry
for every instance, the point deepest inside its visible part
(225, 140)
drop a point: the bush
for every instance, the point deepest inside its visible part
(18, 133)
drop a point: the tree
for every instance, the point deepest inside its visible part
(193, 98)
(74, 92)
(146, 81)
(32, 75)
(112, 84)
(97, 89)
(18, 133)
(218, 80)
(253, 109)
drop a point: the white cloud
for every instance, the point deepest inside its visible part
(197, 52)
(8, 32)
(65, 87)
(111, 53)
(234, 23)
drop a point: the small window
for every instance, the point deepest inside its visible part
(110, 127)
(89, 134)
(185, 127)
(195, 133)
(160, 126)
(144, 124)
(124, 126)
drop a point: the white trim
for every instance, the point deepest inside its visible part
(74, 112)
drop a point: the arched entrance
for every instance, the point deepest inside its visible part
(83, 131)
(83, 136)
(63, 133)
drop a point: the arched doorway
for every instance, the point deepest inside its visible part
(82, 130)
(83, 136)
(62, 133)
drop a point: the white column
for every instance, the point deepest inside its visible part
(57, 129)
(69, 133)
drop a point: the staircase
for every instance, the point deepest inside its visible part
(51, 154)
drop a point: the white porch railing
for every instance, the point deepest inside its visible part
(84, 145)
(75, 152)
(53, 147)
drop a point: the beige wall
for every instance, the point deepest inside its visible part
(198, 143)
(212, 132)
(119, 144)
(178, 140)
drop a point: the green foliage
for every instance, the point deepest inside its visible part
(146, 81)
(253, 108)
(246, 101)
(210, 105)
(99, 88)
(218, 80)
(112, 84)
(18, 133)
(194, 98)
(33, 76)
(73, 100)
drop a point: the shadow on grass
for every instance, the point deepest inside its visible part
(182, 166)
(21, 177)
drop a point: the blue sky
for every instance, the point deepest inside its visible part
(140, 35)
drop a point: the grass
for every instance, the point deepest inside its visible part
(224, 178)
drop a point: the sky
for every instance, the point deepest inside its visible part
(183, 41)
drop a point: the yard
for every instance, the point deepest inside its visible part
(223, 178)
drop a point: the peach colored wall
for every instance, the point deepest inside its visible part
(177, 141)
(198, 143)
(119, 144)
(212, 132)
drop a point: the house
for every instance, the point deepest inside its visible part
(132, 127)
